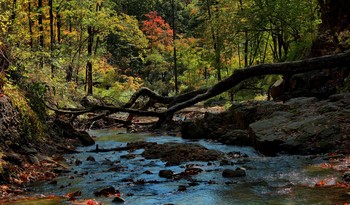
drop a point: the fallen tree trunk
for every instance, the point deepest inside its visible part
(182, 101)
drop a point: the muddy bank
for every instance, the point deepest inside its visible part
(299, 126)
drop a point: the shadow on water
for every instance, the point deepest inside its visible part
(269, 180)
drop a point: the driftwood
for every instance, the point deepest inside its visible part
(182, 101)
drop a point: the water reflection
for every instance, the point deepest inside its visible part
(269, 180)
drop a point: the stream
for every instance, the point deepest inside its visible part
(269, 180)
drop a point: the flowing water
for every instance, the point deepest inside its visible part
(269, 180)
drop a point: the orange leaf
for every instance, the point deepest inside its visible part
(320, 184)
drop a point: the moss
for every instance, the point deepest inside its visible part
(30, 126)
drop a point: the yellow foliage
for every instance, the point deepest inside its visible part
(30, 124)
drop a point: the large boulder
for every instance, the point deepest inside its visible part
(246, 113)
(66, 130)
(294, 134)
(85, 138)
(193, 130)
(236, 137)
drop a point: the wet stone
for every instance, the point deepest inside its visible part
(229, 173)
(147, 172)
(225, 162)
(118, 200)
(182, 188)
(128, 156)
(91, 158)
(166, 174)
(77, 162)
(193, 171)
(108, 191)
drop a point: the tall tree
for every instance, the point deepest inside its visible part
(40, 23)
(52, 36)
(174, 45)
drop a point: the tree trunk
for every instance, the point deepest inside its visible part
(40, 24)
(13, 16)
(89, 63)
(182, 101)
(58, 26)
(52, 37)
(174, 44)
(335, 19)
(215, 43)
(30, 24)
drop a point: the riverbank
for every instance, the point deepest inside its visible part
(30, 149)
(302, 125)
(299, 126)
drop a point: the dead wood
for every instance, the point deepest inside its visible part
(182, 101)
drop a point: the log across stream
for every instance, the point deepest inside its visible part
(268, 180)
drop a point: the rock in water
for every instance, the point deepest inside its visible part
(228, 173)
(118, 199)
(109, 191)
(91, 159)
(166, 174)
(85, 138)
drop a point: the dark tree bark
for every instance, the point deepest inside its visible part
(13, 15)
(52, 36)
(40, 24)
(58, 26)
(89, 63)
(215, 39)
(30, 23)
(335, 18)
(174, 44)
(179, 102)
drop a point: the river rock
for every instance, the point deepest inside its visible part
(192, 130)
(182, 188)
(229, 173)
(193, 170)
(306, 133)
(266, 137)
(176, 153)
(85, 138)
(90, 158)
(66, 129)
(108, 191)
(118, 199)
(300, 101)
(166, 174)
(236, 137)
(249, 112)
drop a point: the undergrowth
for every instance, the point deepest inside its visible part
(30, 124)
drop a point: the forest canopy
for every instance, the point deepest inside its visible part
(64, 50)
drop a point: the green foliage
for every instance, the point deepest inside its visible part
(344, 39)
(31, 126)
(126, 45)
(132, 43)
